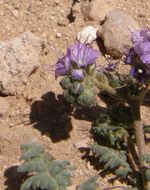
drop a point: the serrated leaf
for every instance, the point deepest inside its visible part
(34, 165)
(123, 172)
(30, 150)
(42, 181)
(112, 163)
(105, 157)
(63, 180)
(111, 130)
(113, 160)
(90, 184)
(44, 173)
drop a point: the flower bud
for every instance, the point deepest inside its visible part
(69, 97)
(65, 82)
(87, 97)
(76, 88)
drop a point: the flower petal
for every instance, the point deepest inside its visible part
(141, 36)
(62, 66)
(142, 48)
(83, 54)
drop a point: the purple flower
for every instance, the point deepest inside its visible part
(77, 74)
(63, 65)
(131, 57)
(139, 56)
(141, 36)
(83, 54)
(78, 56)
(139, 72)
(142, 49)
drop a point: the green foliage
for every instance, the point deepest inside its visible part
(121, 114)
(129, 87)
(112, 159)
(113, 133)
(87, 97)
(114, 80)
(79, 93)
(126, 85)
(147, 129)
(102, 78)
(43, 171)
(146, 158)
(114, 125)
(90, 184)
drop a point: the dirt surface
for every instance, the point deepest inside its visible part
(40, 112)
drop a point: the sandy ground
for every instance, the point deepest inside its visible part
(40, 113)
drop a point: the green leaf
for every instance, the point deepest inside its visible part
(110, 127)
(147, 129)
(30, 150)
(42, 181)
(87, 97)
(147, 174)
(90, 184)
(43, 171)
(146, 158)
(113, 160)
(34, 165)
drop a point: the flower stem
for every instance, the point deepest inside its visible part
(104, 87)
(131, 154)
(140, 141)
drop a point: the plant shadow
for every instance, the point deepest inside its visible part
(88, 113)
(50, 115)
(13, 178)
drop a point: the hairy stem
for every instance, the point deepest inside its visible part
(104, 87)
(131, 153)
(139, 134)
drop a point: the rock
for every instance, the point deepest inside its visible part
(87, 35)
(96, 10)
(58, 35)
(15, 13)
(4, 107)
(82, 144)
(116, 32)
(19, 57)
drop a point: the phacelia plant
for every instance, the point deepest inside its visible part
(43, 171)
(121, 125)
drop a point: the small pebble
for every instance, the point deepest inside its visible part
(58, 35)
(15, 13)
(87, 35)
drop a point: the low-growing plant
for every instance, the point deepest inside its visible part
(121, 125)
(43, 171)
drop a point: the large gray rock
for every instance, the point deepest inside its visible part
(96, 10)
(116, 32)
(19, 57)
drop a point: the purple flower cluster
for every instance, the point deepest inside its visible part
(139, 55)
(78, 57)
